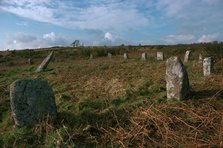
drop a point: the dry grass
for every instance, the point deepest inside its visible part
(171, 125)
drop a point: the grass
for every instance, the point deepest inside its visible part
(114, 102)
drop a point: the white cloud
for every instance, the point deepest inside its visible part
(109, 36)
(208, 38)
(173, 7)
(50, 36)
(22, 41)
(22, 23)
(181, 38)
(114, 15)
(35, 10)
(212, 2)
(130, 19)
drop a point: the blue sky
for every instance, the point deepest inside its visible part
(45, 23)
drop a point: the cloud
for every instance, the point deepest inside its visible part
(181, 38)
(211, 2)
(109, 36)
(21, 37)
(91, 15)
(172, 7)
(191, 17)
(208, 38)
(50, 36)
(22, 41)
(22, 23)
(127, 21)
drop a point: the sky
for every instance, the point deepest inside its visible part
(46, 23)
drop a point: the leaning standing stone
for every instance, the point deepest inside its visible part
(45, 62)
(31, 101)
(144, 56)
(125, 56)
(160, 56)
(207, 66)
(187, 56)
(177, 82)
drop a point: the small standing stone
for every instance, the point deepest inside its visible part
(160, 56)
(109, 55)
(91, 56)
(177, 82)
(144, 56)
(207, 66)
(30, 61)
(126, 56)
(31, 101)
(45, 62)
(187, 56)
(200, 58)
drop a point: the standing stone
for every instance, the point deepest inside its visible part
(160, 56)
(177, 82)
(126, 56)
(200, 58)
(45, 62)
(109, 55)
(207, 66)
(144, 56)
(30, 61)
(187, 56)
(32, 101)
(91, 56)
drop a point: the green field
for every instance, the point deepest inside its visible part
(112, 102)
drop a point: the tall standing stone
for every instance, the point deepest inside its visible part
(126, 56)
(109, 55)
(31, 101)
(144, 56)
(160, 56)
(177, 82)
(200, 58)
(207, 66)
(187, 56)
(45, 62)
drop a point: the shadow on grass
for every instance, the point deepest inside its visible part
(4, 107)
(109, 118)
(204, 94)
(86, 124)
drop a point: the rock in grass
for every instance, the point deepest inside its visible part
(207, 66)
(144, 56)
(159, 56)
(45, 62)
(187, 56)
(177, 82)
(32, 101)
(126, 56)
